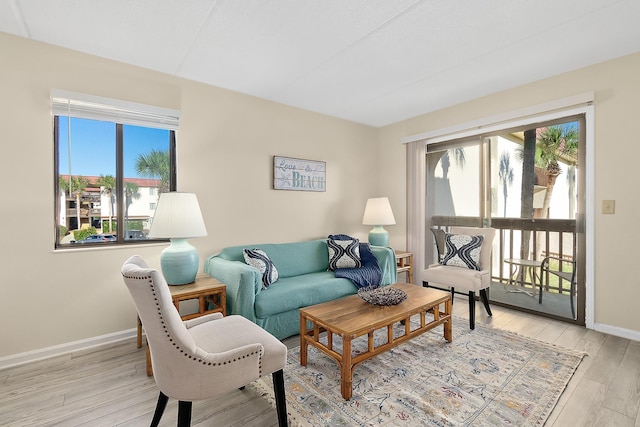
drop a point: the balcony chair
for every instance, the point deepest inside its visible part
(569, 276)
(204, 357)
(463, 279)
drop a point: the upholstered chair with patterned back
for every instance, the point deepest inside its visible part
(204, 357)
(465, 265)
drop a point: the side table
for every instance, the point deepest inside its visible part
(524, 266)
(404, 261)
(205, 289)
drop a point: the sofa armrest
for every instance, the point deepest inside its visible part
(387, 260)
(243, 284)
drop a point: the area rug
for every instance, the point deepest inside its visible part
(485, 377)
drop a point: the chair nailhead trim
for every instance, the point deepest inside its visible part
(164, 326)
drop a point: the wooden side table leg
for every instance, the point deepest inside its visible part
(139, 333)
(149, 367)
(201, 305)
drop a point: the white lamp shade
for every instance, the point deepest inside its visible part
(378, 212)
(177, 216)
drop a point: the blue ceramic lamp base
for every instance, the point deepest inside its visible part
(378, 236)
(179, 262)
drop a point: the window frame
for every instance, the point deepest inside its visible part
(140, 113)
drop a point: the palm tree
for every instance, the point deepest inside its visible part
(108, 184)
(528, 182)
(131, 193)
(555, 143)
(75, 186)
(505, 174)
(155, 164)
(458, 155)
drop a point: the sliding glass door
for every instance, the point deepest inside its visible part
(526, 183)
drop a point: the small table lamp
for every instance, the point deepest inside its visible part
(378, 213)
(178, 218)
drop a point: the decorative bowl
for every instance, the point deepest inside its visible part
(383, 295)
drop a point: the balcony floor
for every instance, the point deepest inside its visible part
(552, 303)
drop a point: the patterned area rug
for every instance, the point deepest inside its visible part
(485, 377)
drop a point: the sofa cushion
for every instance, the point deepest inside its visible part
(301, 291)
(462, 251)
(259, 259)
(344, 252)
(292, 259)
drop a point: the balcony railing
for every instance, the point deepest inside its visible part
(547, 237)
(84, 212)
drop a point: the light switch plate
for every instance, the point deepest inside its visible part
(608, 207)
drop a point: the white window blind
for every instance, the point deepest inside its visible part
(84, 106)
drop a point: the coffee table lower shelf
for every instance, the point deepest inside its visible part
(351, 317)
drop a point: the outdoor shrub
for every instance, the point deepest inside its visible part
(135, 225)
(105, 226)
(81, 234)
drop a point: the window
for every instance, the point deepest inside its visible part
(112, 161)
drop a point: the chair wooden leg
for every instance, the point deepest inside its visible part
(184, 413)
(281, 400)
(453, 291)
(472, 310)
(485, 301)
(162, 403)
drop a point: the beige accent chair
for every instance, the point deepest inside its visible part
(464, 280)
(204, 357)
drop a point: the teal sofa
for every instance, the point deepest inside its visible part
(303, 281)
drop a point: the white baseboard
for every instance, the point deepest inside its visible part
(616, 331)
(58, 350)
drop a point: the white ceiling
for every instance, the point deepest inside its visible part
(369, 61)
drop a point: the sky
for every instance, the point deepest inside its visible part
(93, 146)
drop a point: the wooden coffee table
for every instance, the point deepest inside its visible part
(351, 317)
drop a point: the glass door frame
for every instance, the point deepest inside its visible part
(485, 202)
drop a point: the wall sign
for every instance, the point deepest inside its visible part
(299, 174)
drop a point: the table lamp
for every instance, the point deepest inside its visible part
(178, 218)
(378, 213)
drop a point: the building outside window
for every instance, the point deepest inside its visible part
(112, 161)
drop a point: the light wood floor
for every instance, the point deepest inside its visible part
(109, 387)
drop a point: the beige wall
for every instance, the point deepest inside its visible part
(225, 148)
(617, 89)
